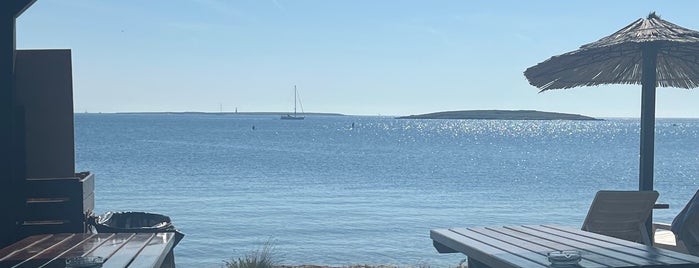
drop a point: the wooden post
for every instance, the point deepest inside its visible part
(7, 194)
(10, 165)
(648, 81)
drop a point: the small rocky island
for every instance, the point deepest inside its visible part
(500, 115)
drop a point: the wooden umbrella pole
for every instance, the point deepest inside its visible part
(645, 178)
(648, 81)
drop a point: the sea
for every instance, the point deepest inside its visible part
(350, 190)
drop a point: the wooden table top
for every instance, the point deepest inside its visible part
(118, 250)
(527, 246)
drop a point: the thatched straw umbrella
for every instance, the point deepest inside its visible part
(651, 52)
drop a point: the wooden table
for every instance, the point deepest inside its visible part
(527, 246)
(118, 250)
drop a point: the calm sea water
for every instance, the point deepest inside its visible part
(328, 193)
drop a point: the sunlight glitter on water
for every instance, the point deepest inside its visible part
(327, 187)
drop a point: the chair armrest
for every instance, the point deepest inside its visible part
(661, 206)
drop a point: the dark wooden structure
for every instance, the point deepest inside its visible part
(528, 246)
(11, 129)
(54, 198)
(55, 205)
(118, 250)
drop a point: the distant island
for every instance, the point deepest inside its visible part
(500, 115)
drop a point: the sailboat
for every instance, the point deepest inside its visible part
(294, 116)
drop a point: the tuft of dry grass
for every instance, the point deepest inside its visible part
(263, 258)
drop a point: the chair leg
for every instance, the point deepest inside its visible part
(644, 235)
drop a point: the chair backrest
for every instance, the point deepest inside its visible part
(686, 225)
(621, 214)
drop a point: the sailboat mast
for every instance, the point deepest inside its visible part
(294, 100)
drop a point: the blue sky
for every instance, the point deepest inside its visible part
(360, 57)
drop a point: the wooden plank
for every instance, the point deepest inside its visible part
(154, 253)
(53, 252)
(54, 187)
(471, 248)
(126, 254)
(542, 247)
(50, 227)
(647, 251)
(602, 247)
(119, 250)
(53, 209)
(9, 251)
(111, 246)
(554, 246)
(653, 253)
(442, 248)
(89, 244)
(88, 202)
(479, 250)
(498, 240)
(88, 183)
(30, 252)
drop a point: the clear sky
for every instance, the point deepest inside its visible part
(359, 57)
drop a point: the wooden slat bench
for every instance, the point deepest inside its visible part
(118, 250)
(527, 246)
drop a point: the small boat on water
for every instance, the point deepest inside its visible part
(294, 116)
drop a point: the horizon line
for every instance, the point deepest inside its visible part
(322, 113)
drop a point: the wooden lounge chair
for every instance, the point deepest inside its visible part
(683, 234)
(621, 214)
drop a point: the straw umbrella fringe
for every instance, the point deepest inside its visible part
(618, 58)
